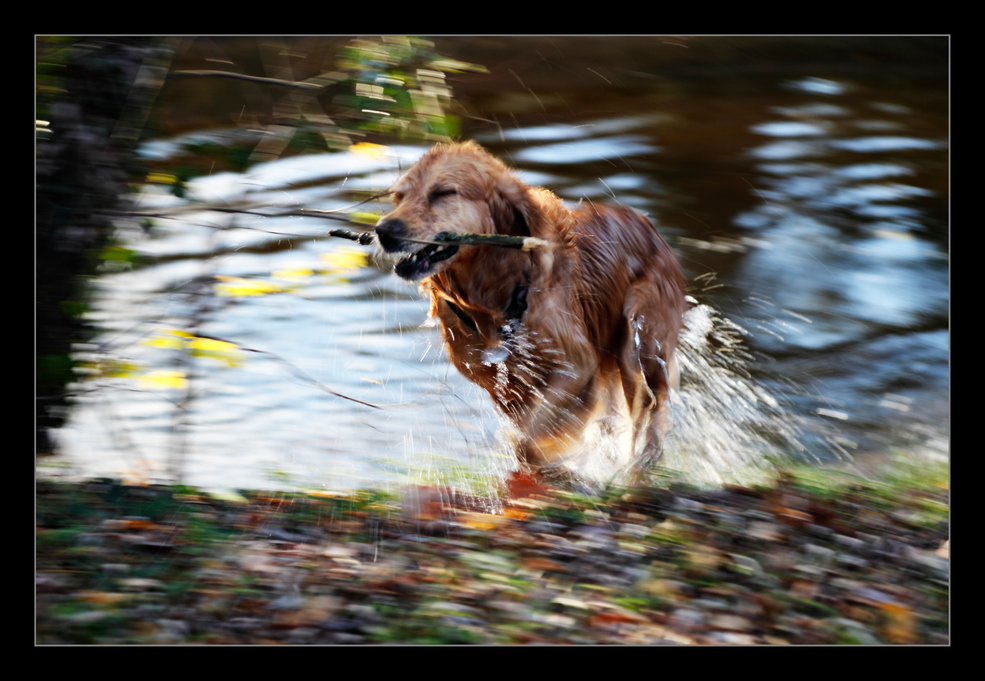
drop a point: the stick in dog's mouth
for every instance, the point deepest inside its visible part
(420, 263)
(502, 240)
(443, 246)
(443, 239)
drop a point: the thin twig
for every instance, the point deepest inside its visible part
(301, 85)
(302, 213)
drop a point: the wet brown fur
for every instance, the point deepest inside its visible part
(605, 279)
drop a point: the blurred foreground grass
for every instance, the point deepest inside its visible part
(820, 556)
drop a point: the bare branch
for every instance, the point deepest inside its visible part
(317, 83)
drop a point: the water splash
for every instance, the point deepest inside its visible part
(725, 425)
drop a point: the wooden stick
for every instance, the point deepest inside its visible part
(364, 238)
(525, 243)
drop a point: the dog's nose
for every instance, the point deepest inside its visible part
(390, 232)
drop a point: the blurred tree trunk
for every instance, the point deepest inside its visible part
(93, 97)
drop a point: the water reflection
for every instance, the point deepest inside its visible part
(586, 150)
(878, 272)
(821, 86)
(864, 145)
(818, 239)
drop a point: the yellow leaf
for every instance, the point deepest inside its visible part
(110, 368)
(175, 339)
(322, 494)
(901, 623)
(164, 342)
(483, 521)
(367, 149)
(160, 380)
(229, 353)
(161, 178)
(239, 287)
(295, 276)
(345, 259)
(364, 218)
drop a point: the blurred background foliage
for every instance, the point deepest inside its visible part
(369, 91)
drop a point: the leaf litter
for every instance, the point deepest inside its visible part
(817, 557)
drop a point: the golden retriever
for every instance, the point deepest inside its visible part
(579, 328)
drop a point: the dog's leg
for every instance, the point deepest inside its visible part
(551, 423)
(648, 371)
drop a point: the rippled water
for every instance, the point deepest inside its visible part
(810, 220)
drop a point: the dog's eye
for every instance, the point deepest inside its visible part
(438, 193)
(398, 197)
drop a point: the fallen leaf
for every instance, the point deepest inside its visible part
(523, 485)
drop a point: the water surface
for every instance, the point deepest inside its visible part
(809, 213)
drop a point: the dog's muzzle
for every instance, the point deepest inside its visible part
(421, 258)
(390, 233)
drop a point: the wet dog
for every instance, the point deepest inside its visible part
(582, 327)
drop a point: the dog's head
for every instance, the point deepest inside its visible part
(454, 188)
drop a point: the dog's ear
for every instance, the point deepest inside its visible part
(511, 207)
